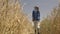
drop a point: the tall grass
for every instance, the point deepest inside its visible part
(51, 25)
(12, 20)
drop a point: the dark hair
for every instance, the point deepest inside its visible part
(36, 7)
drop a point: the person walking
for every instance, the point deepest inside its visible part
(36, 18)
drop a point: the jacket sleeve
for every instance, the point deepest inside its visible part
(33, 16)
(38, 15)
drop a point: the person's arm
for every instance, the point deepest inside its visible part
(39, 14)
(33, 16)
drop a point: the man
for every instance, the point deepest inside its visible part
(36, 18)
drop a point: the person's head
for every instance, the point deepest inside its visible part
(36, 8)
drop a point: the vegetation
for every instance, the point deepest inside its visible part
(51, 25)
(12, 20)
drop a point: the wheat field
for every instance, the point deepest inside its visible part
(12, 19)
(51, 24)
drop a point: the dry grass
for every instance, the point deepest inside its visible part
(51, 25)
(12, 20)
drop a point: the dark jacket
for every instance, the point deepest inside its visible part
(35, 15)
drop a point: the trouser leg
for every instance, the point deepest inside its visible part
(36, 28)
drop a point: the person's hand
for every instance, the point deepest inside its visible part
(32, 19)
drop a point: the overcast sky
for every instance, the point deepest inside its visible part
(45, 6)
